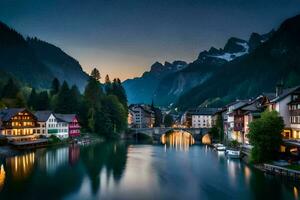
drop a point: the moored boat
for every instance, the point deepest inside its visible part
(219, 147)
(231, 153)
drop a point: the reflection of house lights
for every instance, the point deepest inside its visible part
(22, 165)
(2, 177)
(296, 195)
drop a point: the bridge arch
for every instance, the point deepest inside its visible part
(206, 139)
(177, 137)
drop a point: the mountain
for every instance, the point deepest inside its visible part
(273, 60)
(165, 84)
(141, 90)
(36, 62)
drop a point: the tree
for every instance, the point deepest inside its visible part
(168, 121)
(217, 131)
(93, 93)
(10, 89)
(107, 85)
(32, 100)
(43, 102)
(118, 90)
(95, 74)
(265, 136)
(63, 100)
(55, 87)
(76, 99)
(116, 112)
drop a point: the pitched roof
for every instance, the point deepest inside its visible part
(7, 113)
(285, 93)
(65, 117)
(43, 116)
(270, 95)
(204, 111)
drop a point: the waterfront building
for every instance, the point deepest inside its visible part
(142, 116)
(49, 124)
(231, 120)
(203, 117)
(287, 104)
(18, 124)
(73, 124)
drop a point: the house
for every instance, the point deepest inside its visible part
(19, 126)
(49, 124)
(232, 120)
(142, 116)
(287, 105)
(203, 117)
(73, 124)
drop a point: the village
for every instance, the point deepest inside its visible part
(22, 128)
(235, 118)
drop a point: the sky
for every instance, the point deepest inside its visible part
(123, 38)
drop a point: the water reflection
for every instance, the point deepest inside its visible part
(56, 158)
(180, 140)
(121, 171)
(2, 177)
(21, 166)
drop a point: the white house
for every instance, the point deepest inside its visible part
(203, 117)
(51, 125)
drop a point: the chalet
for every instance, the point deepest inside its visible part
(49, 124)
(19, 126)
(73, 124)
(142, 116)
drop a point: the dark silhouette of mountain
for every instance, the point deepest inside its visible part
(141, 90)
(204, 68)
(275, 60)
(61, 65)
(36, 62)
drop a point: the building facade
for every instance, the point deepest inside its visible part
(73, 124)
(18, 124)
(142, 116)
(49, 124)
(287, 105)
(203, 117)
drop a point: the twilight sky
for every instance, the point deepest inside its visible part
(123, 38)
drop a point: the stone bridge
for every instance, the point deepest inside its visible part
(156, 133)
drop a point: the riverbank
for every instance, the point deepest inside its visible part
(87, 138)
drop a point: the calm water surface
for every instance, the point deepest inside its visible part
(135, 171)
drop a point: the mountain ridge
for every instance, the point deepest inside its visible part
(35, 62)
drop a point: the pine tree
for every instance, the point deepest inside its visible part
(107, 85)
(32, 100)
(43, 102)
(55, 87)
(63, 100)
(93, 93)
(10, 89)
(96, 74)
(76, 98)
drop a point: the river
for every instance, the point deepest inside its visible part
(175, 170)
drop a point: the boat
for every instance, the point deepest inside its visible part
(219, 147)
(231, 153)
